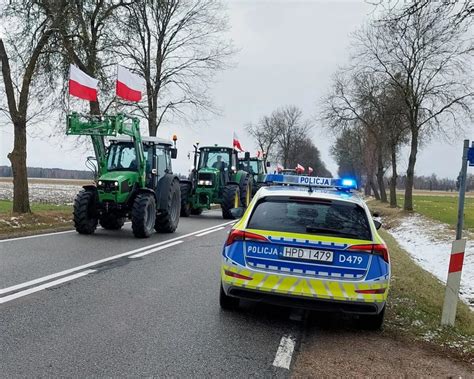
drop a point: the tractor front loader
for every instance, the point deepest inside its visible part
(134, 178)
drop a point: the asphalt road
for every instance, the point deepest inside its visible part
(112, 305)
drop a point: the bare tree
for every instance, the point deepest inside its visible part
(177, 47)
(291, 129)
(427, 54)
(265, 134)
(26, 37)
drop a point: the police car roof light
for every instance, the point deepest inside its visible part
(312, 181)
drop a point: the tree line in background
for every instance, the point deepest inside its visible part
(176, 46)
(49, 173)
(284, 136)
(409, 79)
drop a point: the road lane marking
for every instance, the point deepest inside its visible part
(29, 291)
(285, 352)
(139, 255)
(100, 261)
(36, 235)
(209, 232)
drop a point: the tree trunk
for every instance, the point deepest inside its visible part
(374, 188)
(367, 188)
(393, 179)
(21, 200)
(152, 126)
(408, 205)
(380, 175)
(94, 107)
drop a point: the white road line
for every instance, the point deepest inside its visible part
(209, 232)
(36, 235)
(284, 352)
(100, 261)
(29, 291)
(139, 255)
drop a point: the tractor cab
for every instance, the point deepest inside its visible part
(256, 168)
(216, 165)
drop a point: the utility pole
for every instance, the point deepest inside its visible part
(459, 245)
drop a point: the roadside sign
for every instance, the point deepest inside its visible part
(470, 155)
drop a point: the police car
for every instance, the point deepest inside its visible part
(307, 242)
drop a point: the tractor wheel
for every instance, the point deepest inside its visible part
(143, 215)
(246, 191)
(257, 187)
(230, 199)
(185, 204)
(111, 222)
(85, 216)
(167, 220)
(196, 211)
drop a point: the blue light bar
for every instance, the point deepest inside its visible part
(311, 181)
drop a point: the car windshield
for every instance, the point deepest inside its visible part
(122, 157)
(214, 159)
(311, 216)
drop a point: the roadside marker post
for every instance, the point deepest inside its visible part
(459, 245)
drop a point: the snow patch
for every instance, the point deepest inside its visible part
(429, 244)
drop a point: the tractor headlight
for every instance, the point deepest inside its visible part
(116, 184)
(204, 182)
(100, 182)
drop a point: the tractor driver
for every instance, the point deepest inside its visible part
(219, 164)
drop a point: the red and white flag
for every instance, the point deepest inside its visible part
(129, 86)
(310, 170)
(299, 169)
(82, 85)
(279, 167)
(236, 143)
(259, 154)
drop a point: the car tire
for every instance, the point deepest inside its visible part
(143, 215)
(371, 322)
(85, 216)
(227, 303)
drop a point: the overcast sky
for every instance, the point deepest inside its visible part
(288, 52)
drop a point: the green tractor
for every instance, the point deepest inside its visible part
(257, 168)
(133, 178)
(215, 179)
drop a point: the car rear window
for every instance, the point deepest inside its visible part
(311, 216)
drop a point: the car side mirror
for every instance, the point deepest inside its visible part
(377, 224)
(268, 164)
(174, 153)
(237, 212)
(247, 155)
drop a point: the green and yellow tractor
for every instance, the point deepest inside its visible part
(133, 178)
(257, 168)
(215, 179)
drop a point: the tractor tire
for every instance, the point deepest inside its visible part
(85, 212)
(168, 219)
(230, 199)
(257, 187)
(185, 204)
(143, 215)
(196, 211)
(111, 222)
(246, 191)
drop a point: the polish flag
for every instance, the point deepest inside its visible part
(310, 170)
(259, 154)
(82, 85)
(236, 143)
(279, 167)
(129, 86)
(299, 169)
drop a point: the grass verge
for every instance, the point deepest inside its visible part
(416, 300)
(44, 218)
(443, 208)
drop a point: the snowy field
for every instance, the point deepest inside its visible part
(429, 244)
(44, 193)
